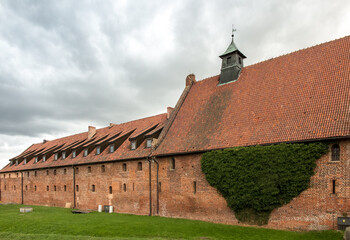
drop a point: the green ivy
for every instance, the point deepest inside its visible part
(255, 180)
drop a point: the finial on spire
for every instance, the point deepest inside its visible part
(233, 30)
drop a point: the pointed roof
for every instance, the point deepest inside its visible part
(231, 49)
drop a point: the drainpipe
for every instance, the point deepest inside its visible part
(150, 186)
(22, 188)
(155, 160)
(74, 205)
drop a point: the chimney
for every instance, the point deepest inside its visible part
(190, 79)
(169, 111)
(91, 132)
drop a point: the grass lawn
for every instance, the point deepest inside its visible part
(59, 223)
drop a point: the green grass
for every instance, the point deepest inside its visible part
(59, 223)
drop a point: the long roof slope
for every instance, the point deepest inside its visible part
(300, 96)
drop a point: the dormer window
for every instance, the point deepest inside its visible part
(36, 159)
(63, 155)
(133, 145)
(239, 60)
(56, 156)
(86, 152)
(111, 148)
(16, 162)
(98, 150)
(149, 142)
(74, 153)
(25, 161)
(44, 158)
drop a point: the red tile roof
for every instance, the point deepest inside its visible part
(103, 135)
(296, 97)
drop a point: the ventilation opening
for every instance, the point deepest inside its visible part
(333, 186)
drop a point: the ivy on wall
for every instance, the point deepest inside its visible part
(257, 179)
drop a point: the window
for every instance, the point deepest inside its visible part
(47, 188)
(229, 60)
(35, 188)
(240, 60)
(74, 153)
(14, 187)
(77, 188)
(54, 188)
(139, 166)
(111, 148)
(76, 170)
(124, 166)
(54, 172)
(56, 156)
(65, 171)
(5, 187)
(35, 173)
(98, 150)
(27, 174)
(47, 172)
(36, 160)
(16, 162)
(194, 187)
(93, 188)
(333, 186)
(124, 187)
(149, 143)
(172, 163)
(89, 169)
(159, 186)
(133, 145)
(25, 161)
(110, 190)
(65, 188)
(103, 169)
(63, 155)
(16, 174)
(44, 158)
(335, 152)
(26, 188)
(86, 152)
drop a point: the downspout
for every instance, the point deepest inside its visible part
(22, 188)
(154, 159)
(74, 205)
(150, 186)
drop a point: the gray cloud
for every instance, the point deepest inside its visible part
(65, 64)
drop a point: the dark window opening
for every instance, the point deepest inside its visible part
(159, 186)
(240, 60)
(65, 188)
(194, 187)
(5, 187)
(54, 188)
(124, 187)
(333, 186)
(17, 174)
(89, 169)
(229, 60)
(139, 166)
(47, 188)
(14, 187)
(110, 190)
(103, 168)
(64, 171)
(54, 172)
(27, 174)
(35, 174)
(124, 166)
(35, 188)
(26, 188)
(172, 164)
(77, 188)
(93, 188)
(76, 170)
(335, 152)
(47, 172)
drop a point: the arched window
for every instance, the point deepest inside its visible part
(54, 172)
(89, 169)
(93, 188)
(124, 166)
(172, 163)
(335, 152)
(139, 166)
(110, 190)
(47, 188)
(35, 188)
(124, 187)
(103, 169)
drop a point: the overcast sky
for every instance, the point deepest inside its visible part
(65, 65)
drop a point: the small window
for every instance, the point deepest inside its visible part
(103, 168)
(240, 60)
(5, 187)
(44, 158)
(335, 152)
(16, 162)
(47, 188)
(35, 188)
(133, 145)
(56, 156)
(93, 188)
(74, 153)
(159, 186)
(98, 150)
(89, 169)
(36, 160)
(25, 161)
(194, 187)
(47, 172)
(76, 170)
(35, 173)
(124, 187)
(172, 163)
(149, 143)
(16, 174)
(63, 155)
(333, 186)
(124, 167)
(65, 188)
(14, 187)
(77, 188)
(111, 148)
(54, 172)
(86, 152)
(54, 188)
(110, 190)
(65, 171)
(26, 188)
(139, 166)
(27, 174)
(229, 60)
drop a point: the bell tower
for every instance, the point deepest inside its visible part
(232, 63)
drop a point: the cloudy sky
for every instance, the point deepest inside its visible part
(65, 65)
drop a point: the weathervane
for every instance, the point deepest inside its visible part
(233, 30)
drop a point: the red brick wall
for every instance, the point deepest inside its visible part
(315, 208)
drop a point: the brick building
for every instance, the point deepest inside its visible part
(152, 165)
